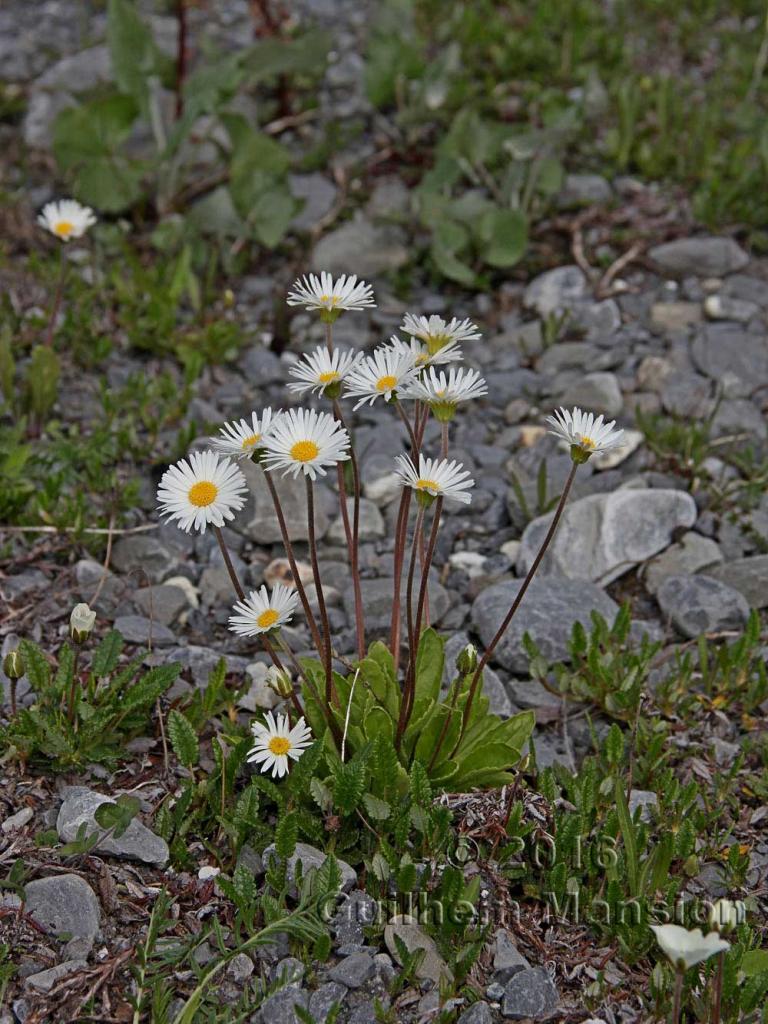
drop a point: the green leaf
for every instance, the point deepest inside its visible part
(614, 745)
(627, 830)
(43, 380)
(378, 809)
(36, 668)
(504, 237)
(135, 56)
(349, 786)
(754, 961)
(151, 686)
(107, 654)
(285, 836)
(183, 739)
(117, 815)
(430, 661)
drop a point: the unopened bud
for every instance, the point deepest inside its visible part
(280, 681)
(466, 662)
(726, 915)
(81, 623)
(12, 664)
(229, 298)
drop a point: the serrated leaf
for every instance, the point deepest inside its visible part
(107, 654)
(183, 739)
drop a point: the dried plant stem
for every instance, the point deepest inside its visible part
(411, 434)
(228, 562)
(57, 297)
(678, 998)
(401, 530)
(330, 691)
(717, 999)
(515, 604)
(353, 535)
(181, 56)
(292, 561)
(409, 616)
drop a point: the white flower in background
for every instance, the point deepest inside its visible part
(323, 371)
(436, 478)
(727, 915)
(443, 393)
(261, 611)
(66, 219)
(585, 434)
(687, 948)
(81, 622)
(331, 297)
(421, 355)
(201, 490)
(275, 742)
(241, 439)
(381, 375)
(305, 441)
(436, 333)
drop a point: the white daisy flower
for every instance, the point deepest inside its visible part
(329, 296)
(436, 478)
(305, 441)
(66, 219)
(262, 611)
(240, 439)
(585, 434)
(323, 371)
(200, 490)
(443, 393)
(380, 375)
(687, 948)
(275, 742)
(436, 333)
(421, 355)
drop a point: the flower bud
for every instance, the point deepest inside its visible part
(81, 623)
(280, 681)
(466, 662)
(726, 915)
(12, 664)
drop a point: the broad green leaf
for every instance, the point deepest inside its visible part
(430, 660)
(754, 961)
(36, 667)
(135, 55)
(376, 808)
(503, 237)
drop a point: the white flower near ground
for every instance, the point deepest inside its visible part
(201, 490)
(81, 622)
(421, 355)
(686, 948)
(726, 915)
(381, 375)
(443, 393)
(329, 296)
(261, 611)
(66, 219)
(436, 478)
(585, 432)
(240, 439)
(322, 369)
(436, 333)
(276, 742)
(305, 441)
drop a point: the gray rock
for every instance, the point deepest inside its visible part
(598, 392)
(390, 199)
(722, 307)
(721, 349)
(675, 316)
(686, 394)
(548, 611)
(370, 249)
(63, 904)
(358, 912)
(319, 195)
(258, 520)
(478, 1013)
(506, 956)
(201, 661)
(162, 603)
(747, 575)
(240, 968)
(142, 552)
(310, 857)
(700, 604)
(602, 536)
(432, 966)
(17, 820)
(371, 523)
(288, 971)
(353, 971)
(136, 843)
(556, 290)
(741, 419)
(279, 1008)
(45, 980)
(137, 629)
(706, 256)
(530, 994)
(691, 554)
(323, 1000)
(646, 800)
(584, 190)
(377, 603)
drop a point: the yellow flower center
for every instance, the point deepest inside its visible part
(422, 359)
(386, 383)
(329, 378)
(304, 451)
(427, 485)
(332, 299)
(279, 745)
(203, 493)
(64, 228)
(249, 442)
(440, 393)
(587, 442)
(267, 618)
